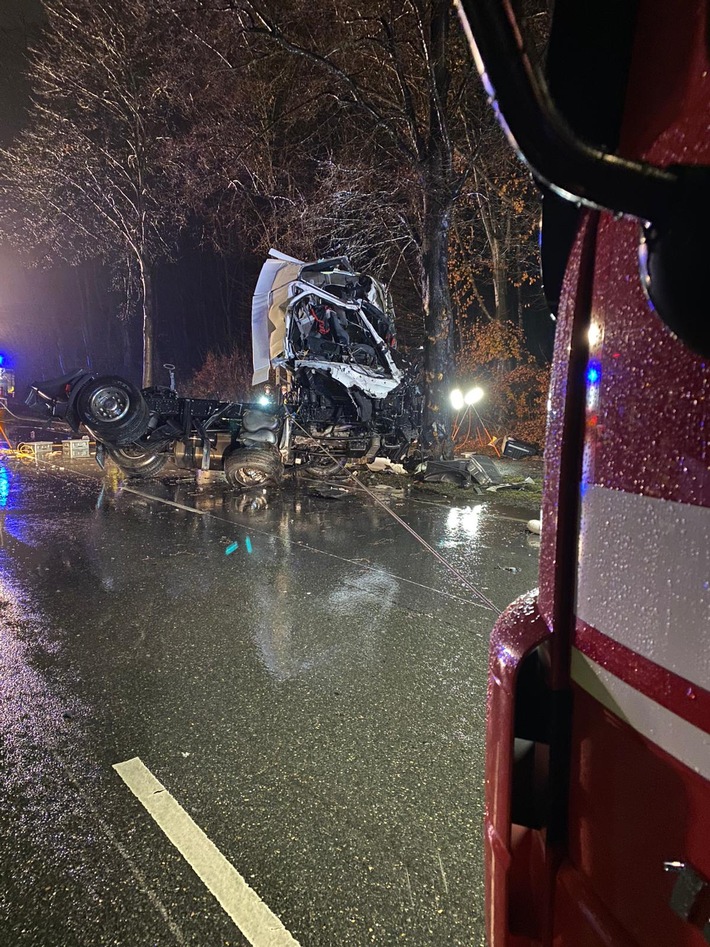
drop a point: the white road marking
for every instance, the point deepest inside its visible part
(125, 854)
(259, 925)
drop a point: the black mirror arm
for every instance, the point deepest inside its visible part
(525, 109)
(673, 203)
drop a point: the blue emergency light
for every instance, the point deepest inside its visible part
(593, 374)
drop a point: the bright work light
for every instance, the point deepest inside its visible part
(474, 395)
(457, 399)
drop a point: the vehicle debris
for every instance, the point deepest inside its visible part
(475, 469)
(516, 449)
(328, 491)
(385, 465)
(511, 486)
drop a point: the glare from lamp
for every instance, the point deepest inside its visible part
(456, 398)
(263, 400)
(474, 395)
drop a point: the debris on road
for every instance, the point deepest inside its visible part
(328, 491)
(517, 449)
(385, 465)
(463, 472)
(511, 486)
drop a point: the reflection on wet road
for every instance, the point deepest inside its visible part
(315, 705)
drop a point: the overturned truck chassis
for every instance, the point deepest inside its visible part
(342, 392)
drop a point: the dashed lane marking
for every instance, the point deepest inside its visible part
(254, 919)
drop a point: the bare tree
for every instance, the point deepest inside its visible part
(496, 235)
(345, 132)
(361, 127)
(88, 175)
(255, 124)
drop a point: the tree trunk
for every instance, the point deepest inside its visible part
(127, 348)
(500, 284)
(148, 328)
(438, 323)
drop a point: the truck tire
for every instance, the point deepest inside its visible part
(323, 467)
(113, 409)
(248, 467)
(137, 462)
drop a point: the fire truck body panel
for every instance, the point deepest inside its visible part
(623, 609)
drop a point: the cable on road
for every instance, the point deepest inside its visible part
(420, 539)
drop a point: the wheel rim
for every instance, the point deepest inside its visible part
(251, 476)
(135, 459)
(131, 452)
(109, 404)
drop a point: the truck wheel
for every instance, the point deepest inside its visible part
(137, 462)
(114, 409)
(322, 467)
(250, 467)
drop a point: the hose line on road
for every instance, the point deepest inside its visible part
(420, 539)
(437, 555)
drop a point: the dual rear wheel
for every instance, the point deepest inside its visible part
(135, 461)
(116, 412)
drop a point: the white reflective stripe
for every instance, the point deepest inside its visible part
(671, 733)
(644, 577)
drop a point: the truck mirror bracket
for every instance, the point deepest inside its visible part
(672, 202)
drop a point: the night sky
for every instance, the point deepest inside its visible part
(52, 321)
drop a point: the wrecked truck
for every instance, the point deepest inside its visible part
(342, 392)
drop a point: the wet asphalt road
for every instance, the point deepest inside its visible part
(316, 705)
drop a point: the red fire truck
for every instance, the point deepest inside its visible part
(598, 747)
